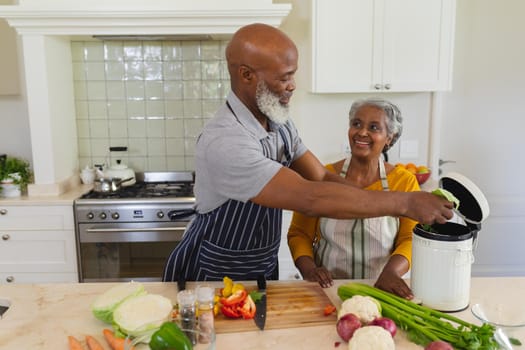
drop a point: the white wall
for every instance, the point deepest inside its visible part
(14, 127)
(484, 123)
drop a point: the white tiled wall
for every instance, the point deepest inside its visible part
(151, 96)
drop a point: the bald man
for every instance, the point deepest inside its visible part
(250, 164)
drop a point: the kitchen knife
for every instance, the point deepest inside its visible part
(260, 308)
(181, 284)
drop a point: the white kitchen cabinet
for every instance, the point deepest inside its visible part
(287, 269)
(37, 244)
(382, 45)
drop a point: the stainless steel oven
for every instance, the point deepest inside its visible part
(130, 234)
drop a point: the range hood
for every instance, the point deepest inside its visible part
(46, 28)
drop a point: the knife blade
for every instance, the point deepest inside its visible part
(3, 309)
(260, 308)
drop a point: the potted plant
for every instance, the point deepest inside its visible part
(15, 174)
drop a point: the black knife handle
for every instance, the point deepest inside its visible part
(181, 284)
(261, 282)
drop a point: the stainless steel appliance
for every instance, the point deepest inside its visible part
(128, 234)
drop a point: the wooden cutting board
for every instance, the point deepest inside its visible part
(289, 305)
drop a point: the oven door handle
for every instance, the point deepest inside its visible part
(95, 230)
(131, 234)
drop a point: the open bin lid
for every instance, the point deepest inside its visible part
(473, 206)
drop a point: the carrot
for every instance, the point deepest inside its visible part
(116, 343)
(93, 344)
(74, 344)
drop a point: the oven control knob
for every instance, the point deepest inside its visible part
(102, 215)
(90, 215)
(160, 214)
(115, 216)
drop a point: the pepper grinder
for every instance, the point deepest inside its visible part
(186, 300)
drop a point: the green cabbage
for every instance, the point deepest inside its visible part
(447, 195)
(142, 315)
(105, 304)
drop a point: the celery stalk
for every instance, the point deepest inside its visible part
(424, 324)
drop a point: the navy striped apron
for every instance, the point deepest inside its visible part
(238, 240)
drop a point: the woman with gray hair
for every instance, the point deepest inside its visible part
(379, 248)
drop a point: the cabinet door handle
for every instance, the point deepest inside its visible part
(378, 86)
(387, 86)
(10, 279)
(3, 211)
(5, 237)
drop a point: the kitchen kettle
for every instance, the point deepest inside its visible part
(121, 170)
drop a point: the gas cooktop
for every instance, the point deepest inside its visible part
(151, 186)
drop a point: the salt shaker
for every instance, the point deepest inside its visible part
(186, 300)
(205, 296)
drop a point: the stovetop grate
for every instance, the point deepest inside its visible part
(146, 190)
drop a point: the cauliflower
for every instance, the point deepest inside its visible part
(364, 307)
(371, 338)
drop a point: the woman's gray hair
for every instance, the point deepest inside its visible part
(394, 120)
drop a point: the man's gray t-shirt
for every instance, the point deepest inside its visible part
(230, 161)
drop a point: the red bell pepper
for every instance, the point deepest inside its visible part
(234, 299)
(248, 308)
(328, 309)
(231, 311)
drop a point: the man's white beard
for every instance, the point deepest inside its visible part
(269, 104)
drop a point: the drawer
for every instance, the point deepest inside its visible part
(38, 251)
(20, 277)
(36, 217)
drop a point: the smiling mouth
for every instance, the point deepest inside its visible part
(285, 99)
(361, 143)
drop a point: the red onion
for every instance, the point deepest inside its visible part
(347, 325)
(439, 345)
(386, 323)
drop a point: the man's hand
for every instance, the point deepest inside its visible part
(427, 208)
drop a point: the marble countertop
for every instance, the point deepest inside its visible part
(41, 316)
(66, 198)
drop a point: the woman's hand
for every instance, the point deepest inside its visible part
(391, 282)
(390, 278)
(313, 273)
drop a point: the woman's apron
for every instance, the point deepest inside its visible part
(356, 248)
(238, 240)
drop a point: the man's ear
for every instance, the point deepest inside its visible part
(246, 73)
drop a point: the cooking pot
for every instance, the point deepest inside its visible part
(108, 184)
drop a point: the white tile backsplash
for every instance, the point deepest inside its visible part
(97, 109)
(113, 51)
(118, 129)
(117, 109)
(96, 90)
(174, 128)
(151, 96)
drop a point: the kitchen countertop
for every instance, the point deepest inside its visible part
(66, 198)
(43, 315)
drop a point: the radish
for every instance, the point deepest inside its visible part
(439, 345)
(386, 323)
(347, 325)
